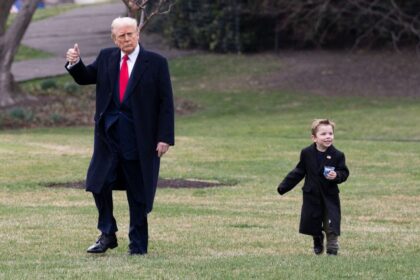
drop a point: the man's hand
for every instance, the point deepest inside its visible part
(162, 148)
(73, 54)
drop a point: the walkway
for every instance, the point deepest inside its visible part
(89, 26)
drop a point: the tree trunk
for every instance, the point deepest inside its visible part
(10, 39)
(5, 6)
(10, 92)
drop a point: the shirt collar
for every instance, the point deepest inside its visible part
(132, 56)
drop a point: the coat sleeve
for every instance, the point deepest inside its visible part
(82, 74)
(166, 132)
(341, 170)
(293, 178)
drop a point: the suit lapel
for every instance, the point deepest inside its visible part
(140, 66)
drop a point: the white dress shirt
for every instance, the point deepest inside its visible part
(132, 57)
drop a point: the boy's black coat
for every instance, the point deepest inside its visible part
(319, 194)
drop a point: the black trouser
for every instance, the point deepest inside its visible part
(129, 171)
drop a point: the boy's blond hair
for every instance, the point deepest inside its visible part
(317, 122)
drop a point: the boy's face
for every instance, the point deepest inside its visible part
(324, 137)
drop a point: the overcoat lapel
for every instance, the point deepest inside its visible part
(329, 154)
(114, 68)
(327, 159)
(314, 160)
(140, 66)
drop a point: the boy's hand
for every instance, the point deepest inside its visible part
(331, 175)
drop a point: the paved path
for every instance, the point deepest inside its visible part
(89, 26)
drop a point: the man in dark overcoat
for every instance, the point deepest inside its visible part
(134, 127)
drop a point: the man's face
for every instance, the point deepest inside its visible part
(126, 38)
(324, 137)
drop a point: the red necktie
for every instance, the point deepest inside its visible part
(123, 77)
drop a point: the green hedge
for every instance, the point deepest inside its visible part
(251, 25)
(220, 26)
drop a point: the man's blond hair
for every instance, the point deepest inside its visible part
(317, 122)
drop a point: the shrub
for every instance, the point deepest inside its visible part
(251, 25)
(48, 84)
(71, 88)
(56, 118)
(21, 114)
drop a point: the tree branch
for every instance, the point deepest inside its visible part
(140, 10)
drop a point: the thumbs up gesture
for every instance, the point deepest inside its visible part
(73, 54)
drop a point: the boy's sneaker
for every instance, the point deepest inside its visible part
(332, 252)
(318, 244)
(332, 244)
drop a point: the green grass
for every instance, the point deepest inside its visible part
(27, 53)
(243, 133)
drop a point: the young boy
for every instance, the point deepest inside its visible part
(323, 167)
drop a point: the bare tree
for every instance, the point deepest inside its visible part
(358, 22)
(145, 10)
(10, 38)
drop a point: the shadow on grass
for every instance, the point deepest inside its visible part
(162, 183)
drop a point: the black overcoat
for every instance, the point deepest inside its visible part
(149, 93)
(319, 194)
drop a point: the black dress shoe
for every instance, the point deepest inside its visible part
(318, 244)
(103, 243)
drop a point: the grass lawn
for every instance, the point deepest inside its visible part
(244, 135)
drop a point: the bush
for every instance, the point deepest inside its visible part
(56, 118)
(71, 87)
(20, 114)
(48, 84)
(251, 25)
(209, 25)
